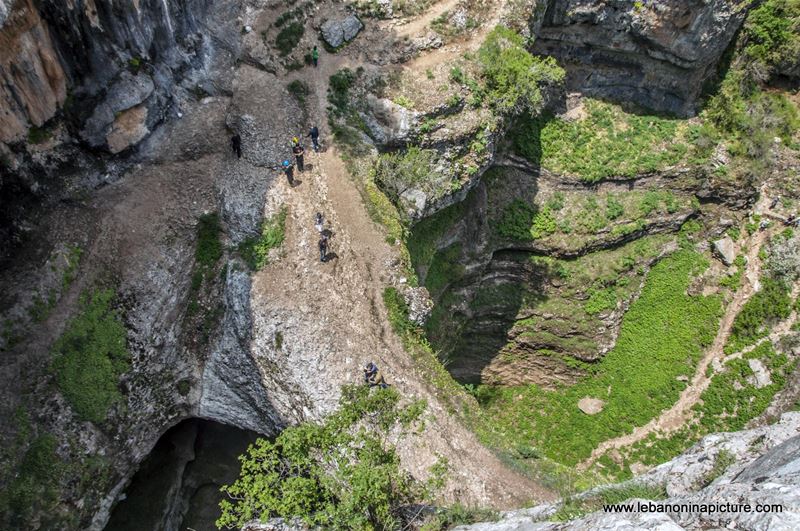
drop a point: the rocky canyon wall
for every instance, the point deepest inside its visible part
(112, 65)
(657, 54)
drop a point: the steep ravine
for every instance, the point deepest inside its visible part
(115, 128)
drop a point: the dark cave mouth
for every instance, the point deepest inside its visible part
(177, 485)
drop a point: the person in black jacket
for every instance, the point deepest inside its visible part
(236, 145)
(298, 155)
(314, 134)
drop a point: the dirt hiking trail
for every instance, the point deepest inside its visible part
(316, 324)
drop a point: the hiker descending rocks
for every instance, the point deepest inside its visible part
(236, 145)
(315, 56)
(323, 247)
(319, 222)
(314, 134)
(774, 203)
(288, 169)
(298, 155)
(373, 376)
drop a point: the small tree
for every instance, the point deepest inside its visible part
(340, 474)
(512, 75)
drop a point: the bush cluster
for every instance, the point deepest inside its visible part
(339, 474)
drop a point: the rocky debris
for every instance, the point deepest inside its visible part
(591, 406)
(419, 303)
(275, 524)
(657, 54)
(336, 32)
(725, 248)
(766, 470)
(412, 48)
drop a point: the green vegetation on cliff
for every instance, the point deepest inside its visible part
(91, 355)
(772, 36)
(769, 305)
(513, 78)
(255, 250)
(661, 338)
(605, 142)
(339, 474)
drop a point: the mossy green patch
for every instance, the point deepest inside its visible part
(91, 355)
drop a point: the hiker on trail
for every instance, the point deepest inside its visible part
(288, 169)
(236, 145)
(314, 134)
(319, 222)
(323, 247)
(373, 376)
(298, 155)
(774, 202)
(315, 56)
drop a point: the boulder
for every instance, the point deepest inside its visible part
(336, 32)
(128, 129)
(591, 406)
(126, 92)
(726, 250)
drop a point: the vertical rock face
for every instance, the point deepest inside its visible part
(656, 54)
(90, 48)
(32, 80)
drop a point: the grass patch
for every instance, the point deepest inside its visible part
(91, 355)
(722, 462)
(661, 337)
(255, 251)
(732, 399)
(608, 142)
(525, 222)
(423, 238)
(39, 135)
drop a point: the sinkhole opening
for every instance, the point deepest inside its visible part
(177, 485)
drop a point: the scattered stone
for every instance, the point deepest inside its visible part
(338, 32)
(726, 250)
(591, 406)
(761, 376)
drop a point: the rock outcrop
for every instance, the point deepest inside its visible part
(337, 32)
(764, 469)
(655, 54)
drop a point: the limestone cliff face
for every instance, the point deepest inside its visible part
(656, 54)
(109, 56)
(33, 80)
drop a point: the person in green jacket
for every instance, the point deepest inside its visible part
(314, 56)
